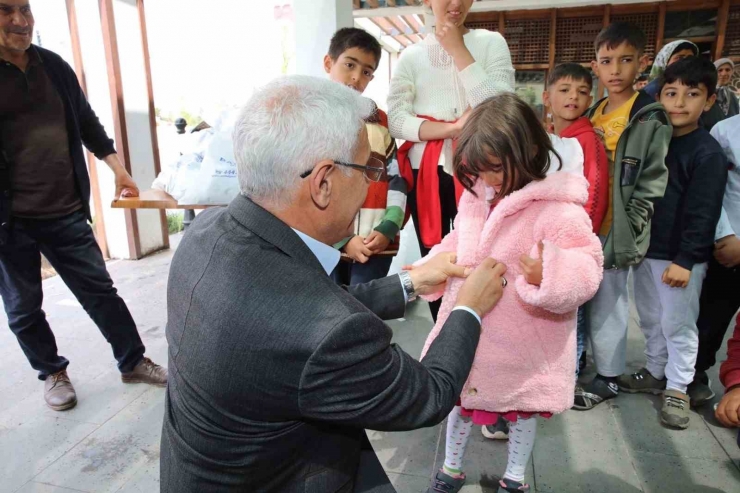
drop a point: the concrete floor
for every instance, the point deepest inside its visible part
(110, 441)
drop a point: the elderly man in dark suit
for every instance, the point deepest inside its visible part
(275, 371)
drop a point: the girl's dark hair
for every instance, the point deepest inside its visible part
(504, 127)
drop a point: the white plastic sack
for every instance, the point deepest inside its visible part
(207, 174)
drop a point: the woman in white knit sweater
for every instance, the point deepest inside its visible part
(434, 84)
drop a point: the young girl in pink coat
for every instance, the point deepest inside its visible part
(535, 224)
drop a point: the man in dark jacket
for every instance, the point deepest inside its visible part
(275, 369)
(44, 207)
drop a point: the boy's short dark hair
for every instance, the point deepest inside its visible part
(617, 33)
(570, 71)
(691, 71)
(643, 78)
(352, 37)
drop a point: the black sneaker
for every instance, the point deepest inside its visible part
(699, 390)
(509, 486)
(444, 483)
(594, 393)
(499, 431)
(641, 381)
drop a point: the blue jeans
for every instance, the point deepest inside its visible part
(351, 273)
(69, 245)
(580, 336)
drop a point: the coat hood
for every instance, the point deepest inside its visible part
(581, 126)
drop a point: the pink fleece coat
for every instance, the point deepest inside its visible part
(526, 355)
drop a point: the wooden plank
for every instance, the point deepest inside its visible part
(695, 39)
(531, 66)
(724, 14)
(155, 199)
(92, 163)
(474, 17)
(113, 63)
(661, 27)
(636, 8)
(683, 5)
(152, 114)
(501, 23)
(528, 14)
(581, 12)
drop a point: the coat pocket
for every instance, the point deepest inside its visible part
(630, 170)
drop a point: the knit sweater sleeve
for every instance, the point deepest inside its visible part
(402, 121)
(491, 75)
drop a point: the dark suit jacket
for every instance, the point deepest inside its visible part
(275, 370)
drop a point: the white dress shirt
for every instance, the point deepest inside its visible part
(329, 257)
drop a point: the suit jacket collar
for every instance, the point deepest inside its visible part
(271, 229)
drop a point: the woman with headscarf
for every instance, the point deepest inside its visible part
(727, 104)
(668, 55)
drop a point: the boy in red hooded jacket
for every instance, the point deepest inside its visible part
(568, 96)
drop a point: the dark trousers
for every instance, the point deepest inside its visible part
(449, 211)
(351, 273)
(370, 476)
(69, 245)
(720, 300)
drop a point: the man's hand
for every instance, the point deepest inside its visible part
(532, 268)
(483, 287)
(728, 411)
(125, 185)
(727, 251)
(431, 277)
(676, 276)
(377, 242)
(357, 250)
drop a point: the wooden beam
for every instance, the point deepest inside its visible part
(115, 86)
(415, 25)
(661, 28)
(531, 66)
(635, 8)
(401, 25)
(384, 25)
(92, 163)
(501, 23)
(553, 35)
(684, 5)
(152, 114)
(724, 15)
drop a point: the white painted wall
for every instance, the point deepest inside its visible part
(315, 23)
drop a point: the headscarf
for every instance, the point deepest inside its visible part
(724, 94)
(665, 54)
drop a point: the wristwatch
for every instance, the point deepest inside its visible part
(408, 286)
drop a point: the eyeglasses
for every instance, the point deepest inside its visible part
(373, 171)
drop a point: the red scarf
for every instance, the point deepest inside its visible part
(427, 187)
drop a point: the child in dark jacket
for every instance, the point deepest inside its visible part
(668, 282)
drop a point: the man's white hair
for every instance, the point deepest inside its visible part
(290, 125)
